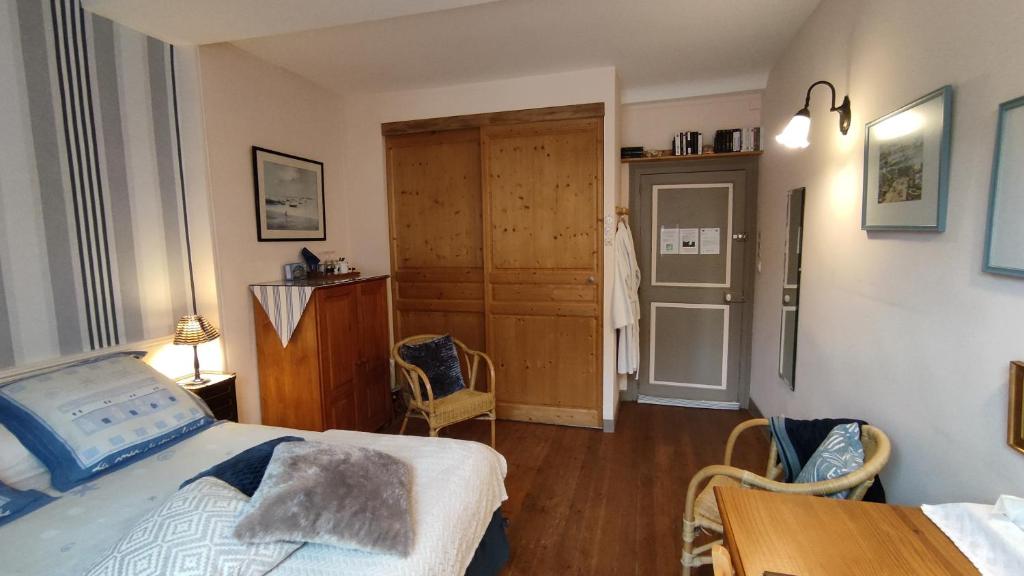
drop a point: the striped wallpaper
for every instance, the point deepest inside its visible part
(92, 232)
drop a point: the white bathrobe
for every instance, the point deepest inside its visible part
(626, 301)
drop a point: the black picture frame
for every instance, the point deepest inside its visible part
(307, 198)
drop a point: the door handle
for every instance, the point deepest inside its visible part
(730, 299)
(591, 280)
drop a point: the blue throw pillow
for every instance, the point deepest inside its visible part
(244, 470)
(839, 454)
(439, 361)
(16, 503)
(94, 416)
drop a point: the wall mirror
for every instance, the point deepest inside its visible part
(1015, 425)
(791, 285)
(1004, 246)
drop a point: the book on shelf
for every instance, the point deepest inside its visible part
(691, 142)
(631, 152)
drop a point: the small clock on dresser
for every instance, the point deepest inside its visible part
(218, 393)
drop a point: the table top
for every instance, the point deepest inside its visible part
(213, 377)
(321, 281)
(810, 536)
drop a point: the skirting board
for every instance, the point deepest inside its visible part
(644, 399)
(582, 417)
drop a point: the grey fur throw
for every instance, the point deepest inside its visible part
(331, 494)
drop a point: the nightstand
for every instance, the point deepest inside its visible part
(218, 393)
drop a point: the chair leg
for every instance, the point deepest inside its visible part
(405, 422)
(434, 432)
(493, 420)
(688, 537)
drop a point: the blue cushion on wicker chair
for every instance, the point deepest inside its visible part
(439, 361)
(839, 454)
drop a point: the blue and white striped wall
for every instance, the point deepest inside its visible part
(92, 234)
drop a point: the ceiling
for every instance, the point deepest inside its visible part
(661, 48)
(209, 21)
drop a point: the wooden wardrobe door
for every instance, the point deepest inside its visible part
(338, 321)
(543, 191)
(434, 192)
(290, 392)
(373, 390)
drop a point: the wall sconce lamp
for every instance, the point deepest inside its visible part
(795, 133)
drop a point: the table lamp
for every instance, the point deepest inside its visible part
(193, 330)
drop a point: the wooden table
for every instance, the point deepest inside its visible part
(809, 536)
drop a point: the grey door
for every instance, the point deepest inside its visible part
(691, 230)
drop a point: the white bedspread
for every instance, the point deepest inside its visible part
(457, 485)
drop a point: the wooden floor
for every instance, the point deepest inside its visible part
(589, 503)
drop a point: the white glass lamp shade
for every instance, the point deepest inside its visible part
(795, 133)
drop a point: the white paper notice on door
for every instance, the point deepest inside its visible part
(688, 240)
(669, 241)
(710, 241)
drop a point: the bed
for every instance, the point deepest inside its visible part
(457, 487)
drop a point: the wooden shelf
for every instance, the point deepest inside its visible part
(669, 157)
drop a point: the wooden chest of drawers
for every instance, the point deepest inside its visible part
(335, 371)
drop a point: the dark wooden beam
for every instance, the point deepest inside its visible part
(594, 110)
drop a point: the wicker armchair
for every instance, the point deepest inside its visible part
(466, 404)
(702, 509)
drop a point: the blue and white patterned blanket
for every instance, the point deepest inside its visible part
(70, 534)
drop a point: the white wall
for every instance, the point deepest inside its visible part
(653, 124)
(365, 175)
(249, 102)
(901, 329)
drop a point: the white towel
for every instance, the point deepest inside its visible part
(993, 543)
(626, 301)
(1013, 508)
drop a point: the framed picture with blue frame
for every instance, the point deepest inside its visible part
(1004, 240)
(906, 166)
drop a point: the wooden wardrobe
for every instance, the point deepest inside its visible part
(496, 238)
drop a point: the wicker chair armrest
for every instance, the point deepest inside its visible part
(702, 476)
(883, 451)
(473, 359)
(856, 481)
(414, 375)
(739, 429)
(491, 381)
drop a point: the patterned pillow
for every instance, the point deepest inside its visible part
(439, 361)
(840, 453)
(190, 535)
(16, 503)
(91, 417)
(244, 471)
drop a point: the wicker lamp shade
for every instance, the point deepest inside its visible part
(193, 329)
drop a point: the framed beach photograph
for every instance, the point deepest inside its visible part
(289, 197)
(906, 166)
